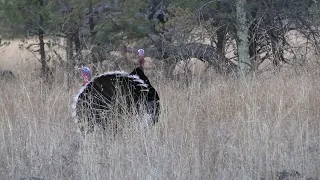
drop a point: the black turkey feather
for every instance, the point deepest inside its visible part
(114, 91)
(152, 100)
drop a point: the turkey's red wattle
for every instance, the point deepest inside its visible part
(141, 61)
(86, 79)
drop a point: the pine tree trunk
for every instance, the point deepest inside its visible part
(277, 51)
(221, 40)
(70, 63)
(77, 42)
(91, 23)
(242, 37)
(44, 72)
(92, 36)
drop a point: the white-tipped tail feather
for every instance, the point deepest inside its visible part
(134, 78)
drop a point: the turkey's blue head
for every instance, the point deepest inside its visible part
(86, 74)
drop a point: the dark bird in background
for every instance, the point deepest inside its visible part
(6, 75)
(114, 91)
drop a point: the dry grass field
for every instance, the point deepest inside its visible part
(258, 128)
(218, 128)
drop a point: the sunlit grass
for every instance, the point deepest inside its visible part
(218, 129)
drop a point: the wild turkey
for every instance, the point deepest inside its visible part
(6, 75)
(125, 92)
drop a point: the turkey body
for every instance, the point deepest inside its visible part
(114, 93)
(152, 100)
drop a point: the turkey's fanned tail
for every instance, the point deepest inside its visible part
(104, 81)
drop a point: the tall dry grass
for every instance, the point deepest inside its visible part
(219, 129)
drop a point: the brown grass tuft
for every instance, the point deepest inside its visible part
(220, 129)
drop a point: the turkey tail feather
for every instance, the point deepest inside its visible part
(98, 96)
